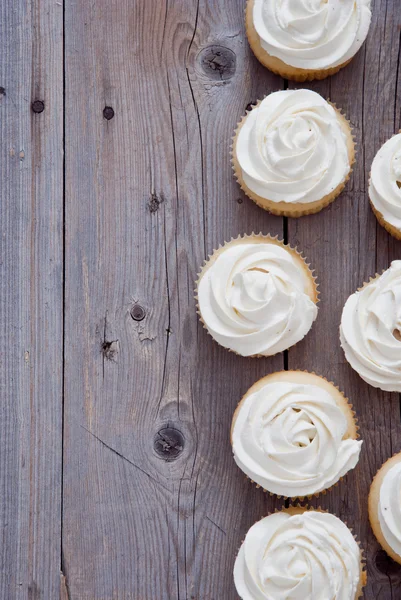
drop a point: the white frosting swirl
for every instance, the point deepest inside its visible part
(253, 298)
(385, 181)
(312, 34)
(292, 148)
(308, 556)
(288, 438)
(389, 508)
(370, 330)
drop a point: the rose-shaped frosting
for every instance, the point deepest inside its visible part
(292, 148)
(312, 34)
(253, 298)
(370, 330)
(288, 438)
(385, 181)
(389, 508)
(308, 556)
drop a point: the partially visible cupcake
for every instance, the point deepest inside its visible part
(385, 507)
(299, 554)
(385, 186)
(293, 153)
(305, 40)
(257, 296)
(370, 330)
(294, 434)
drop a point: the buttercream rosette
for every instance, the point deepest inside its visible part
(294, 434)
(293, 153)
(304, 40)
(257, 296)
(299, 554)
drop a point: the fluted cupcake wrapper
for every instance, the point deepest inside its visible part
(373, 503)
(298, 509)
(276, 65)
(352, 432)
(283, 209)
(268, 238)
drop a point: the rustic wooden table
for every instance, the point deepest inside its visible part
(115, 184)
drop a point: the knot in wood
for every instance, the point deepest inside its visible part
(38, 106)
(169, 443)
(218, 62)
(108, 113)
(138, 312)
(110, 350)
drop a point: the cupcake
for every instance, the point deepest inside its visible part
(294, 434)
(385, 507)
(299, 554)
(385, 186)
(293, 153)
(257, 296)
(370, 330)
(305, 40)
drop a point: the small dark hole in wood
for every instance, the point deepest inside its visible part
(218, 62)
(38, 106)
(169, 443)
(138, 312)
(385, 564)
(108, 112)
(240, 200)
(110, 350)
(250, 106)
(2, 91)
(154, 202)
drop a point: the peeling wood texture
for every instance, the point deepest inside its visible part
(117, 480)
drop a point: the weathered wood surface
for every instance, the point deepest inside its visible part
(31, 298)
(148, 194)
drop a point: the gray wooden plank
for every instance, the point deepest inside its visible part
(348, 246)
(31, 295)
(148, 194)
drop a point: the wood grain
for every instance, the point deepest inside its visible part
(153, 505)
(31, 295)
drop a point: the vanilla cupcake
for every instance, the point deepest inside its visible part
(370, 330)
(305, 40)
(294, 434)
(299, 554)
(385, 507)
(257, 296)
(293, 153)
(385, 186)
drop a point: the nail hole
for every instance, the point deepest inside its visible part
(38, 106)
(240, 200)
(108, 112)
(138, 312)
(169, 443)
(2, 91)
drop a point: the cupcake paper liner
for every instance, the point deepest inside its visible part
(283, 209)
(353, 435)
(268, 238)
(276, 65)
(373, 501)
(297, 509)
